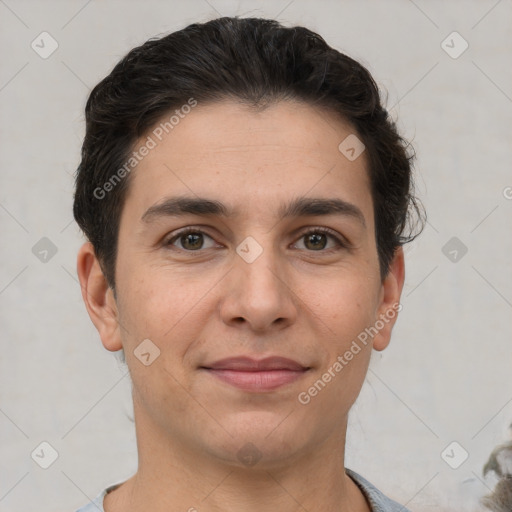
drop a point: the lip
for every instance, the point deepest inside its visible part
(249, 364)
(256, 375)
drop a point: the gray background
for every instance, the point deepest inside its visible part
(446, 375)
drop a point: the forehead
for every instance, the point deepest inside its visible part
(227, 149)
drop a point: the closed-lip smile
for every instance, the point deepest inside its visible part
(256, 375)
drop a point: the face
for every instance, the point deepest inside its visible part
(264, 272)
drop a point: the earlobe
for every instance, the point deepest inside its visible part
(389, 306)
(98, 297)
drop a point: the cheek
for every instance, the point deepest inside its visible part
(153, 302)
(165, 307)
(144, 306)
(152, 309)
(346, 310)
(347, 305)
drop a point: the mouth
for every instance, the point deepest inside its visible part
(256, 375)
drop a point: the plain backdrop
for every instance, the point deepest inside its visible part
(446, 376)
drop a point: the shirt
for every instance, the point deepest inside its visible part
(378, 502)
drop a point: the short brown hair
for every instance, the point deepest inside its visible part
(253, 60)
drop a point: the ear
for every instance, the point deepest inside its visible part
(98, 298)
(389, 306)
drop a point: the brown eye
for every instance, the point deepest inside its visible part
(317, 240)
(190, 240)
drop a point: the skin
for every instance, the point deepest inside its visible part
(297, 299)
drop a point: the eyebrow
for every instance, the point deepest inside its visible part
(300, 207)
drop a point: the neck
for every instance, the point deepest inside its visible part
(175, 477)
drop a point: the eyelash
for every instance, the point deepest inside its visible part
(341, 243)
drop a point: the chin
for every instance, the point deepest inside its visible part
(261, 440)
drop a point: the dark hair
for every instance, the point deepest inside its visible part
(252, 60)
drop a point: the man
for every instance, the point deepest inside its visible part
(245, 198)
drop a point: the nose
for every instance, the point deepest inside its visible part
(259, 293)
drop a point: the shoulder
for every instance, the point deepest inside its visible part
(96, 505)
(378, 501)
